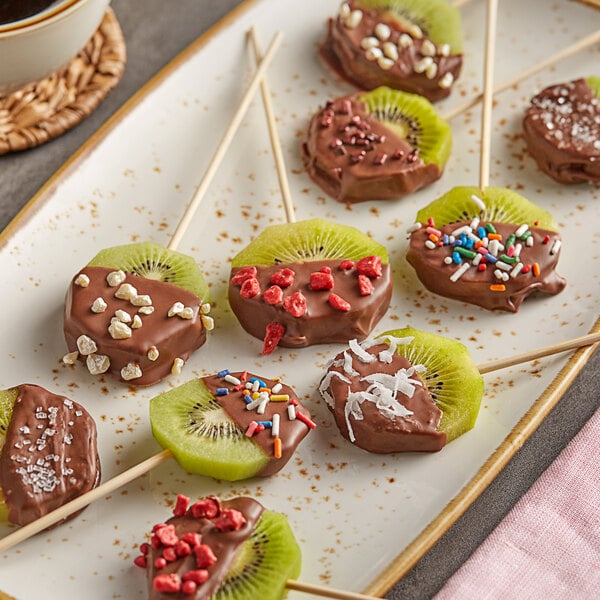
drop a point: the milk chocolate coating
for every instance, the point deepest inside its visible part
(377, 432)
(49, 456)
(291, 432)
(562, 132)
(174, 337)
(330, 156)
(342, 51)
(322, 324)
(474, 286)
(225, 545)
(15, 10)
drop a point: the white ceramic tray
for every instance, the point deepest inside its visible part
(354, 513)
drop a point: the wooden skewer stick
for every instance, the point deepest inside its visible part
(327, 592)
(592, 3)
(274, 135)
(581, 44)
(25, 532)
(224, 144)
(488, 93)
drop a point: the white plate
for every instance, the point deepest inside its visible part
(353, 512)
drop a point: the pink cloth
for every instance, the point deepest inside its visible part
(548, 546)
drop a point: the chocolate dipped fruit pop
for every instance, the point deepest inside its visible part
(410, 45)
(136, 311)
(376, 145)
(561, 128)
(48, 453)
(230, 426)
(310, 282)
(490, 247)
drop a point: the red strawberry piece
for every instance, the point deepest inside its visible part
(155, 542)
(339, 303)
(325, 269)
(346, 265)
(273, 333)
(182, 548)
(193, 539)
(243, 274)
(197, 576)
(160, 562)
(230, 520)
(168, 583)
(140, 561)
(250, 288)
(207, 508)
(144, 548)
(181, 505)
(273, 295)
(369, 266)
(283, 277)
(188, 588)
(205, 557)
(295, 304)
(169, 554)
(365, 287)
(167, 535)
(321, 281)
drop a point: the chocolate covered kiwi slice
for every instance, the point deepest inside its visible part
(310, 282)
(230, 426)
(376, 145)
(137, 312)
(491, 247)
(411, 45)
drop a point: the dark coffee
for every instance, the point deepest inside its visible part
(15, 10)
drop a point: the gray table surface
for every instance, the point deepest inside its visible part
(157, 30)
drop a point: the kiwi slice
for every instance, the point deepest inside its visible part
(452, 378)
(264, 562)
(413, 118)
(594, 82)
(7, 401)
(152, 261)
(437, 19)
(501, 206)
(306, 241)
(203, 438)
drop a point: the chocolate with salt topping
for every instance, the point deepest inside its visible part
(562, 132)
(49, 455)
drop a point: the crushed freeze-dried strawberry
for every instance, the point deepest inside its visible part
(369, 266)
(338, 303)
(193, 539)
(182, 548)
(145, 548)
(346, 265)
(365, 287)
(140, 561)
(207, 508)
(168, 583)
(181, 505)
(230, 520)
(273, 295)
(169, 554)
(197, 576)
(160, 562)
(321, 281)
(273, 333)
(243, 274)
(167, 535)
(295, 304)
(205, 557)
(188, 588)
(283, 277)
(250, 288)
(325, 269)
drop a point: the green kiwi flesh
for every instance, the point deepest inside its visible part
(437, 19)
(502, 206)
(152, 261)
(7, 401)
(263, 564)
(452, 377)
(594, 82)
(306, 241)
(413, 118)
(203, 438)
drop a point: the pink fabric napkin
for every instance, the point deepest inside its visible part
(548, 546)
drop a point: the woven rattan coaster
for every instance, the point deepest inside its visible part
(44, 110)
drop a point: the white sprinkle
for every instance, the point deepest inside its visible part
(518, 249)
(519, 232)
(275, 428)
(414, 227)
(175, 309)
(291, 410)
(115, 278)
(385, 63)
(503, 266)
(530, 241)
(428, 48)
(448, 260)
(431, 245)
(405, 41)
(153, 353)
(99, 305)
(82, 280)
(459, 272)
(86, 345)
(232, 379)
(498, 274)
(555, 247)
(446, 81)
(208, 322)
(422, 65)
(255, 385)
(119, 330)
(262, 406)
(390, 50)
(252, 405)
(276, 388)
(493, 247)
(478, 201)
(141, 300)
(126, 292)
(70, 358)
(505, 277)
(177, 366)
(97, 363)
(463, 229)
(123, 316)
(353, 19)
(131, 371)
(369, 42)
(475, 223)
(146, 310)
(373, 54)
(477, 259)
(382, 31)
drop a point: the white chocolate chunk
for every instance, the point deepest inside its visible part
(131, 371)
(99, 305)
(119, 330)
(445, 49)
(141, 300)
(369, 42)
(431, 71)
(414, 30)
(187, 313)
(86, 345)
(146, 310)
(115, 278)
(373, 53)
(205, 308)
(344, 10)
(175, 309)
(82, 280)
(70, 358)
(123, 316)
(97, 363)
(390, 50)
(177, 365)
(153, 353)
(446, 81)
(385, 63)
(137, 322)
(405, 41)
(126, 292)
(422, 65)
(428, 48)
(208, 322)
(353, 19)
(382, 31)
